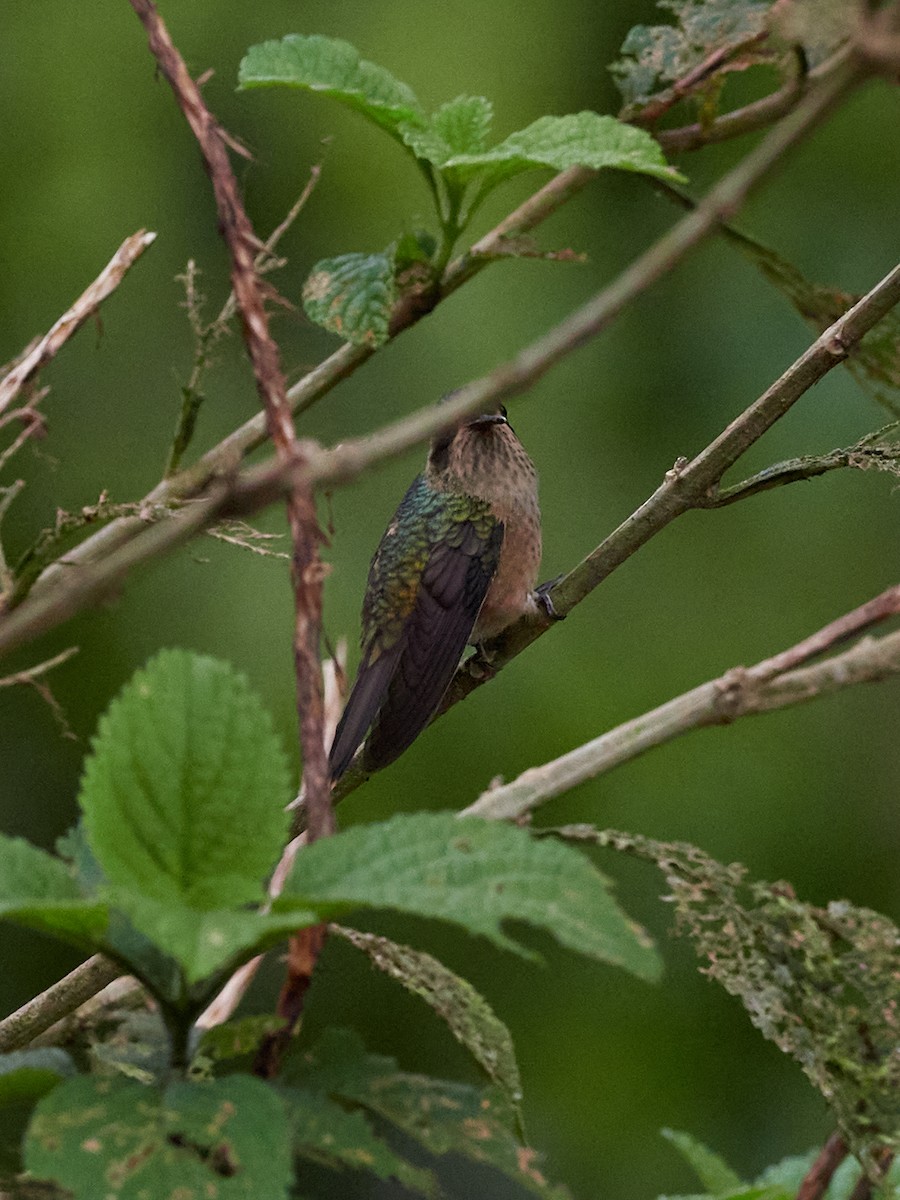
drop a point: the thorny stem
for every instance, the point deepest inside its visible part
(306, 567)
(243, 247)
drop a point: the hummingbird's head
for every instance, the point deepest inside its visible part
(481, 456)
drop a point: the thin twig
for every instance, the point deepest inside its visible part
(86, 304)
(7, 582)
(20, 1027)
(30, 674)
(739, 692)
(207, 336)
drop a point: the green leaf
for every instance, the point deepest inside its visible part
(468, 1015)
(713, 1172)
(783, 1179)
(30, 1074)
(334, 68)
(460, 126)
(476, 874)
(464, 124)
(117, 1139)
(184, 793)
(443, 1117)
(39, 891)
(352, 295)
(324, 1132)
(582, 139)
(205, 941)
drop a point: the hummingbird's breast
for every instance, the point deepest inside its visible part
(504, 475)
(510, 594)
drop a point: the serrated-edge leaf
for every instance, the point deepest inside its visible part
(324, 1132)
(710, 1168)
(30, 1074)
(184, 792)
(334, 68)
(467, 1014)
(584, 139)
(40, 892)
(475, 874)
(464, 123)
(352, 295)
(441, 1116)
(115, 1138)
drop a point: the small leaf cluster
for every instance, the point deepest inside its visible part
(781, 1181)
(353, 294)
(183, 802)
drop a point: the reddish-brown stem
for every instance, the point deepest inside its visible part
(243, 246)
(817, 1178)
(306, 567)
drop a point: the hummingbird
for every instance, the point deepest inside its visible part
(457, 564)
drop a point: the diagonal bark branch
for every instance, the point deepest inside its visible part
(72, 320)
(777, 682)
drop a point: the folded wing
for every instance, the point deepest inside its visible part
(403, 676)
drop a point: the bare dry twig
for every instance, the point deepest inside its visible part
(86, 304)
(30, 674)
(69, 993)
(776, 682)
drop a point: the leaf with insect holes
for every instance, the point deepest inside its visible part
(324, 1131)
(352, 295)
(184, 792)
(443, 1117)
(334, 68)
(227, 1138)
(476, 874)
(467, 1014)
(654, 56)
(583, 139)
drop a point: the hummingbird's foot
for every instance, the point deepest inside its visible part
(545, 600)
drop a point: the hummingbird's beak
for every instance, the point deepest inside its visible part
(489, 419)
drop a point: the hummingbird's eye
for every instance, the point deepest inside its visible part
(503, 412)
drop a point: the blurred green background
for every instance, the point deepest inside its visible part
(94, 148)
